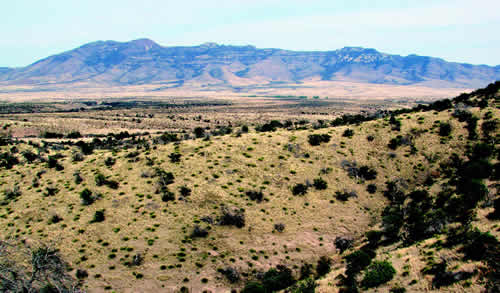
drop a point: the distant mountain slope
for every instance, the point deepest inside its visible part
(144, 61)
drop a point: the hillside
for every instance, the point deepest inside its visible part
(263, 208)
(143, 61)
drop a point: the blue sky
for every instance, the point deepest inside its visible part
(456, 30)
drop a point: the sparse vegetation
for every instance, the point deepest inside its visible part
(403, 197)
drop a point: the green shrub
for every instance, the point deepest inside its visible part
(86, 197)
(444, 129)
(53, 163)
(323, 267)
(317, 139)
(255, 195)
(109, 161)
(98, 216)
(175, 157)
(167, 195)
(320, 184)
(378, 273)
(357, 261)
(7, 160)
(348, 133)
(371, 188)
(299, 189)
(185, 191)
(99, 179)
(199, 132)
(367, 173)
(305, 286)
(277, 279)
(345, 195)
(78, 178)
(253, 287)
(232, 217)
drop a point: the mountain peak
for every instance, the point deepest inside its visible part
(209, 45)
(147, 44)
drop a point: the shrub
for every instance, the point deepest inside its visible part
(343, 243)
(277, 279)
(444, 129)
(55, 219)
(373, 237)
(378, 273)
(232, 217)
(396, 124)
(255, 195)
(29, 156)
(86, 197)
(185, 191)
(271, 126)
(49, 135)
(299, 189)
(7, 160)
(164, 178)
(53, 163)
(371, 188)
(323, 267)
(317, 139)
(199, 132)
(305, 286)
(167, 195)
(175, 157)
(479, 168)
(199, 232)
(489, 126)
(253, 287)
(348, 133)
(477, 243)
(473, 191)
(166, 138)
(367, 173)
(397, 289)
(85, 148)
(77, 177)
(112, 184)
(357, 261)
(81, 274)
(280, 227)
(394, 143)
(495, 214)
(74, 134)
(99, 179)
(231, 274)
(344, 195)
(109, 161)
(320, 184)
(11, 194)
(50, 191)
(77, 157)
(98, 217)
(482, 151)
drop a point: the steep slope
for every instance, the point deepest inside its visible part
(143, 61)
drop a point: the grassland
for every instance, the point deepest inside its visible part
(145, 241)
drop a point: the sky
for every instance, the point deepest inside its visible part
(455, 30)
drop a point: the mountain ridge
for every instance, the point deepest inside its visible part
(144, 61)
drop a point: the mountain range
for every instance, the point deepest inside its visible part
(143, 61)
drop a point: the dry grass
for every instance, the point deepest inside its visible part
(218, 171)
